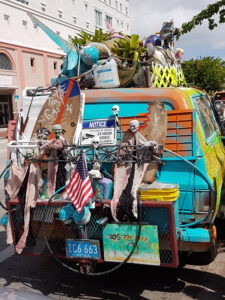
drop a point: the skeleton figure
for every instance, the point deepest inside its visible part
(115, 110)
(127, 178)
(96, 142)
(56, 171)
(134, 125)
(57, 129)
(29, 154)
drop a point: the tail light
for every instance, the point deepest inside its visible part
(202, 201)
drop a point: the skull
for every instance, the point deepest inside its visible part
(96, 142)
(134, 125)
(29, 154)
(57, 129)
(115, 109)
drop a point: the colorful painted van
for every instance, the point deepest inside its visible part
(174, 221)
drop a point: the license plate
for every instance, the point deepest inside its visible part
(83, 249)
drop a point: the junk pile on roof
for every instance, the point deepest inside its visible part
(110, 60)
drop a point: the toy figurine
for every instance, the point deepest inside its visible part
(95, 171)
(56, 170)
(179, 54)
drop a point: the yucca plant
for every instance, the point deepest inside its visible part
(83, 38)
(129, 49)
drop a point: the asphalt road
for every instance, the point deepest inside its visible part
(45, 276)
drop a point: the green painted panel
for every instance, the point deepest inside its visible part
(118, 241)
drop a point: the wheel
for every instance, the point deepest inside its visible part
(204, 258)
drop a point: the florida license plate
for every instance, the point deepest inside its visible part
(83, 249)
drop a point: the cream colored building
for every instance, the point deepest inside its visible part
(28, 57)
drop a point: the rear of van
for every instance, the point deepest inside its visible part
(186, 223)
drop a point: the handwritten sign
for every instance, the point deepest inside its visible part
(105, 129)
(118, 241)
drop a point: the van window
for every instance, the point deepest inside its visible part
(205, 115)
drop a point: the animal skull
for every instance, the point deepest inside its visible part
(96, 142)
(134, 125)
(115, 109)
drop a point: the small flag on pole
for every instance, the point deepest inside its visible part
(79, 188)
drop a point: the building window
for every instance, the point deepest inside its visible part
(118, 24)
(58, 32)
(116, 4)
(127, 27)
(127, 11)
(109, 19)
(120, 6)
(6, 17)
(32, 62)
(69, 37)
(86, 10)
(43, 7)
(55, 65)
(98, 18)
(110, 2)
(87, 24)
(75, 20)
(24, 22)
(5, 63)
(121, 24)
(23, 1)
(60, 14)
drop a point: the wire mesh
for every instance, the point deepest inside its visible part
(45, 225)
(159, 216)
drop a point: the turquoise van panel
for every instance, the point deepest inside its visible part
(177, 171)
(186, 200)
(99, 110)
(104, 110)
(195, 235)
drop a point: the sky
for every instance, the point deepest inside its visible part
(147, 16)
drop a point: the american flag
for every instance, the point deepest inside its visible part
(79, 187)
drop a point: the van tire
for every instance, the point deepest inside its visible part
(204, 258)
(211, 254)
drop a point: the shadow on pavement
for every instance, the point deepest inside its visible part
(129, 282)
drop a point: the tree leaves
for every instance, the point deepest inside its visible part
(207, 71)
(206, 14)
